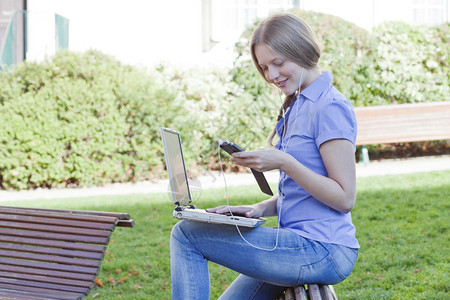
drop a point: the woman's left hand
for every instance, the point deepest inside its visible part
(260, 160)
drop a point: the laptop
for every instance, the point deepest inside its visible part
(180, 192)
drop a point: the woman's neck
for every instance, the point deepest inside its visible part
(311, 75)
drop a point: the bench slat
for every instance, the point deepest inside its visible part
(402, 109)
(314, 292)
(57, 215)
(56, 244)
(18, 295)
(38, 292)
(120, 216)
(55, 236)
(48, 279)
(300, 293)
(52, 251)
(52, 286)
(67, 275)
(50, 258)
(52, 228)
(125, 223)
(289, 294)
(403, 123)
(48, 266)
(327, 292)
(310, 292)
(55, 221)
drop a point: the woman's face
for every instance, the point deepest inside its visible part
(285, 74)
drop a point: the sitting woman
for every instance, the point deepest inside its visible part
(315, 240)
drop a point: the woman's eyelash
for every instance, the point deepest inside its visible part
(278, 64)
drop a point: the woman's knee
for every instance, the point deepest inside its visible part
(183, 229)
(178, 230)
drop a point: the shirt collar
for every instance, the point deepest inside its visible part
(316, 88)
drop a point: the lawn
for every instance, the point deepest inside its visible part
(402, 225)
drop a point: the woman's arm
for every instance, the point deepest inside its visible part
(338, 190)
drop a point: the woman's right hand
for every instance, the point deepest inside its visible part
(249, 211)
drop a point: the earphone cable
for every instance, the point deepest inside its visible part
(231, 213)
(280, 194)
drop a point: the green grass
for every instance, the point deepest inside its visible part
(402, 225)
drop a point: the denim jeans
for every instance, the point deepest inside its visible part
(264, 274)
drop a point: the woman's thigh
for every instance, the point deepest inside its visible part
(280, 258)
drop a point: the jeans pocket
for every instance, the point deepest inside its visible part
(321, 272)
(344, 260)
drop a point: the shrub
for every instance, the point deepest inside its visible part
(85, 119)
(409, 64)
(397, 63)
(215, 107)
(81, 119)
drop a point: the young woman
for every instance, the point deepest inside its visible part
(315, 241)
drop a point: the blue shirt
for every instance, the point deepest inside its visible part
(319, 114)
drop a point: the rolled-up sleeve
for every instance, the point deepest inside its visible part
(335, 120)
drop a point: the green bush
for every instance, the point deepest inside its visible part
(215, 107)
(396, 63)
(85, 119)
(409, 64)
(80, 119)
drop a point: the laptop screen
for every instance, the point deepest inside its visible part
(176, 167)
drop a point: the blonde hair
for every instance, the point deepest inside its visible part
(291, 37)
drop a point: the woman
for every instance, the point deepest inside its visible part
(315, 155)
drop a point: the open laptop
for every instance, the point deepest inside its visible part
(180, 191)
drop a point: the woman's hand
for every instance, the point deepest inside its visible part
(248, 211)
(260, 160)
(265, 208)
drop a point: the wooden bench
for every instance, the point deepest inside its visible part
(310, 292)
(53, 254)
(399, 123)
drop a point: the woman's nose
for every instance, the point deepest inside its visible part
(272, 74)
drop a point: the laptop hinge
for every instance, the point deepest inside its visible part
(180, 208)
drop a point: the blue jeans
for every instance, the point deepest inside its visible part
(264, 274)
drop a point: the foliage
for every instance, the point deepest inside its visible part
(396, 63)
(401, 221)
(85, 119)
(409, 64)
(79, 119)
(214, 107)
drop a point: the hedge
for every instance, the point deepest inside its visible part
(82, 119)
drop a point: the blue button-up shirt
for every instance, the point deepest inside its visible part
(319, 114)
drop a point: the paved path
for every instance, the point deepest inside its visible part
(215, 180)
